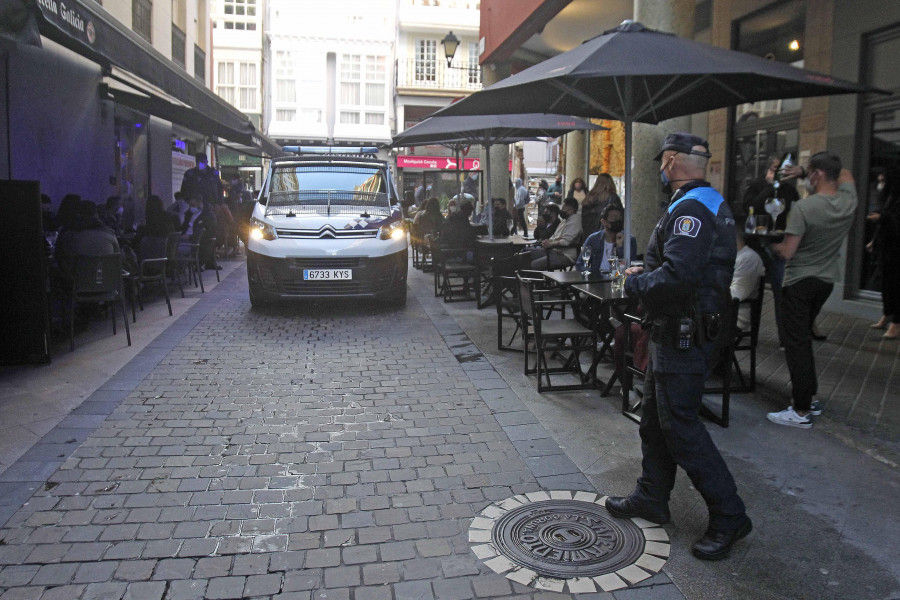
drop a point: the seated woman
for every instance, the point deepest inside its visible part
(429, 219)
(603, 243)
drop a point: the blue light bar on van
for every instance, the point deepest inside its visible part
(331, 149)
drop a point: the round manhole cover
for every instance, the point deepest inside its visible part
(567, 539)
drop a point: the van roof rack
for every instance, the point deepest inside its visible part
(333, 150)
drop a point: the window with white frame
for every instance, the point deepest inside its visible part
(426, 60)
(237, 84)
(247, 86)
(363, 89)
(285, 87)
(225, 86)
(285, 114)
(239, 14)
(312, 100)
(472, 69)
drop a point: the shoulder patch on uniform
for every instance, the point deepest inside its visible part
(689, 226)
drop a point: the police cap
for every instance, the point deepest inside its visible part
(685, 143)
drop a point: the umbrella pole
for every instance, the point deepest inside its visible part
(459, 185)
(490, 203)
(628, 129)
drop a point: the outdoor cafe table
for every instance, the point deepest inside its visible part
(600, 296)
(498, 247)
(569, 278)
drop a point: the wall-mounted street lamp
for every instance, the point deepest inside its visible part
(450, 44)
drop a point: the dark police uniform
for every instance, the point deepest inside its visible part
(684, 290)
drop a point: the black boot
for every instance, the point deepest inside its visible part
(628, 508)
(716, 545)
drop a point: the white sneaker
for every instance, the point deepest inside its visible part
(790, 418)
(815, 408)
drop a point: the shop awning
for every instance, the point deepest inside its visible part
(192, 119)
(92, 33)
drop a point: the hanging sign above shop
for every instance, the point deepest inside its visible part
(438, 163)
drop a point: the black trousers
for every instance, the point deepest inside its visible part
(672, 436)
(800, 305)
(890, 283)
(520, 221)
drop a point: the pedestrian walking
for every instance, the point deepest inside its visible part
(683, 290)
(521, 201)
(816, 228)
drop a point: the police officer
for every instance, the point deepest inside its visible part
(684, 290)
(203, 182)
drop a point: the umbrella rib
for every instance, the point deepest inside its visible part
(652, 98)
(730, 89)
(690, 87)
(585, 98)
(650, 105)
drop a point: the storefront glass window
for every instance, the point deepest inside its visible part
(769, 129)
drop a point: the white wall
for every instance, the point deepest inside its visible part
(364, 27)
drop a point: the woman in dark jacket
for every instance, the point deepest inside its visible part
(601, 195)
(430, 218)
(887, 246)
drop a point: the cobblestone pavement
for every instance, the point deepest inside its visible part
(317, 451)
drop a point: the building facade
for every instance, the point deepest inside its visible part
(329, 71)
(427, 81)
(111, 98)
(237, 68)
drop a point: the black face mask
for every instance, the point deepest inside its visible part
(563, 215)
(547, 217)
(616, 226)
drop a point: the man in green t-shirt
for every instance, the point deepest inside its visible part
(816, 228)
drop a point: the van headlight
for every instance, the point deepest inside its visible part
(392, 231)
(260, 230)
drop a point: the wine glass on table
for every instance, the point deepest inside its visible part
(774, 206)
(586, 259)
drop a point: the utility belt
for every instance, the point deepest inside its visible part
(683, 331)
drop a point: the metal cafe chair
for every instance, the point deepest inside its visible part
(741, 340)
(505, 296)
(151, 271)
(98, 280)
(564, 337)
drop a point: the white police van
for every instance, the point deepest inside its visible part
(327, 223)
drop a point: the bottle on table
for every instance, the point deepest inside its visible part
(750, 223)
(787, 162)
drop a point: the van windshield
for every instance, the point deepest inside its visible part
(327, 189)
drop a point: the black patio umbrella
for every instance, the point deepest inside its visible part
(635, 74)
(487, 130)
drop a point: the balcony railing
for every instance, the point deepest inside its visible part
(435, 75)
(178, 46)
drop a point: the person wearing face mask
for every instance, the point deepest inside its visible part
(547, 223)
(684, 293)
(202, 182)
(559, 250)
(815, 231)
(602, 242)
